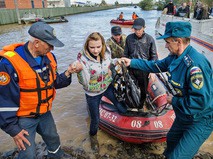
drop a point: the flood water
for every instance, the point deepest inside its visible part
(69, 107)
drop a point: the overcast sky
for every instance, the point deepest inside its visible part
(110, 1)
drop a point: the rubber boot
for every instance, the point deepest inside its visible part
(94, 143)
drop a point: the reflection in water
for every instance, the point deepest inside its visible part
(69, 107)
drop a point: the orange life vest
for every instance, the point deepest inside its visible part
(36, 96)
(121, 16)
(134, 16)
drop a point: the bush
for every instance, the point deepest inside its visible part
(146, 4)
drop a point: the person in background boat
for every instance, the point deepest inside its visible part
(140, 45)
(164, 11)
(134, 16)
(189, 5)
(170, 8)
(175, 10)
(183, 11)
(96, 78)
(121, 16)
(116, 43)
(211, 11)
(28, 79)
(190, 73)
(206, 11)
(198, 10)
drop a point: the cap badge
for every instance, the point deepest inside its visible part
(54, 32)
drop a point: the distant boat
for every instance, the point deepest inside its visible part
(122, 22)
(54, 20)
(30, 18)
(201, 36)
(135, 6)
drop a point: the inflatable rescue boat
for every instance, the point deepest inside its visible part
(150, 125)
(122, 22)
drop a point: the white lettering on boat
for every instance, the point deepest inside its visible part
(136, 124)
(158, 124)
(139, 124)
(107, 115)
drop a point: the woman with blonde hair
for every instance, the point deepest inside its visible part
(95, 59)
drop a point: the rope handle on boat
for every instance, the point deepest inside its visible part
(158, 110)
(158, 97)
(156, 107)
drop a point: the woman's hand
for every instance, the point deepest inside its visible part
(152, 76)
(75, 67)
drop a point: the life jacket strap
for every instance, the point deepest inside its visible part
(47, 99)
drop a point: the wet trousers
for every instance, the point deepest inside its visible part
(185, 138)
(45, 126)
(93, 107)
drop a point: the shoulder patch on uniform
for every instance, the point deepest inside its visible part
(4, 78)
(187, 60)
(195, 70)
(196, 77)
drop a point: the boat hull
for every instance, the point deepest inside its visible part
(122, 22)
(151, 125)
(54, 20)
(136, 128)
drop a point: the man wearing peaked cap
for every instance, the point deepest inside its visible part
(177, 29)
(116, 42)
(191, 78)
(140, 45)
(46, 33)
(28, 79)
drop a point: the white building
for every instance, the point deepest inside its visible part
(58, 3)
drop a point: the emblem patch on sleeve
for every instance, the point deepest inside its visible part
(4, 78)
(196, 77)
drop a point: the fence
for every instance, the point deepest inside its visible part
(8, 16)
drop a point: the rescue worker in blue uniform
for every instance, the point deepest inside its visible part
(28, 79)
(190, 74)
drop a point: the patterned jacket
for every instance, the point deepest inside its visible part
(95, 76)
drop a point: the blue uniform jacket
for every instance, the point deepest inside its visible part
(9, 94)
(191, 76)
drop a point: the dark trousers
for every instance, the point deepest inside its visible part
(93, 106)
(185, 138)
(141, 78)
(45, 126)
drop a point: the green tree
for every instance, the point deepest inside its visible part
(116, 3)
(146, 4)
(103, 3)
(160, 5)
